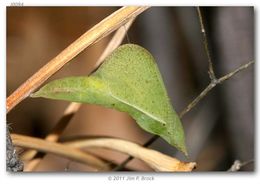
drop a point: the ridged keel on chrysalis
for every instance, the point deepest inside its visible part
(128, 81)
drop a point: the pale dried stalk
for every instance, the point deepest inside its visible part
(59, 149)
(102, 29)
(31, 166)
(156, 160)
(74, 107)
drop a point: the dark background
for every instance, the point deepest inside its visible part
(219, 130)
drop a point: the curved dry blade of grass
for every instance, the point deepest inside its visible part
(156, 160)
(59, 149)
(74, 107)
(102, 29)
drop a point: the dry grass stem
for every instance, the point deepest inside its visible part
(146, 144)
(29, 167)
(99, 31)
(59, 149)
(155, 159)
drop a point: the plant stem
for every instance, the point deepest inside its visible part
(59, 149)
(237, 165)
(229, 75)
(205, 42)
(212, 85)
(155, 159)
(147, 144)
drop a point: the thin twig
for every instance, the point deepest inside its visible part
(147, 144)
(59, 149)
(74, 107)
(212, 85)
(205, 42)
(229, 75)
(197, 99)
(99, 31)
(155, 159)
(237, 165)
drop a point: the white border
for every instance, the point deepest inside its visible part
(212, 179)
(134, 2)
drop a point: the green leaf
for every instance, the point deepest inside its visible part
(128, 81)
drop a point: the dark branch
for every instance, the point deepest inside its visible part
(205, 42)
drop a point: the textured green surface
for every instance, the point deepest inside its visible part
(128, 81)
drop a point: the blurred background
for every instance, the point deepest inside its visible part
(219, 130)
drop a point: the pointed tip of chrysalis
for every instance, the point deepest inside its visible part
(182, 149)
(185, 152)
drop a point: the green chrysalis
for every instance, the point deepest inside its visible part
(128, 81)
